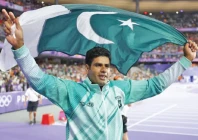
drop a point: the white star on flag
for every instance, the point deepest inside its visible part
(128, 23)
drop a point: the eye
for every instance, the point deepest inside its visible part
(98, 65)
(107, 65)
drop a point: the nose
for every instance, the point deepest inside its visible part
(103, 69)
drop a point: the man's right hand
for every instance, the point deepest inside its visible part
(14, 38)
(190, 50)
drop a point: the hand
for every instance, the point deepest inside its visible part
(16, 38)
(190, 50)
(25, 104)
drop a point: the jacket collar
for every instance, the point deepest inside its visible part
(94, 87)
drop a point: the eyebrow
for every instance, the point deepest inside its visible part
(106, 65)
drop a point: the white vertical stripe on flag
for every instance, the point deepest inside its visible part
(32, 23)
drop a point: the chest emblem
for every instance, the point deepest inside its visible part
(118, 98)
(90, 104)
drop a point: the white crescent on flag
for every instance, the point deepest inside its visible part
(83, 25)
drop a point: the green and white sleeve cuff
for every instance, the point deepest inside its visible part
(21, 52)
(185, 62)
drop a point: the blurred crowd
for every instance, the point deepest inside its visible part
(168, 51)
(14, 80)
(178, 20)
(17, 2)
(33, 4)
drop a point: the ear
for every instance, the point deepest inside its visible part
(87, 67)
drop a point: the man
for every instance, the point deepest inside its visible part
(91, 107)
(34, 98)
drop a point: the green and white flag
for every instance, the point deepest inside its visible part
(74, 29)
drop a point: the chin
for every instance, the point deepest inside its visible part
(102, 83)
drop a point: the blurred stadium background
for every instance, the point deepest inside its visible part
(181, 14)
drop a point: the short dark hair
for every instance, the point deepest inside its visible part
(96, 52)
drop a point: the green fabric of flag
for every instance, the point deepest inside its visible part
(126, 34)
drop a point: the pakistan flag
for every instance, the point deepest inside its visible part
(126, 34)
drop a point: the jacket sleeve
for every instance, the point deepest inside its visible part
(53, 88)
(139, 90)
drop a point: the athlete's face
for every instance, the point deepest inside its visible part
(99, 70)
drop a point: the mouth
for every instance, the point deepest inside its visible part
(102, 77)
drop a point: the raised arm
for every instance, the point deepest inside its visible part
(139, 90)
(172, 74)
(52, 87)
(26, 62)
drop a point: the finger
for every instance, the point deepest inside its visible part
(7, 31)
(192, 49)
(187, 45)
(191, 43)
(194, 46)
(12, 17)
(7, 25)
(5, 14)
(18, 26)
